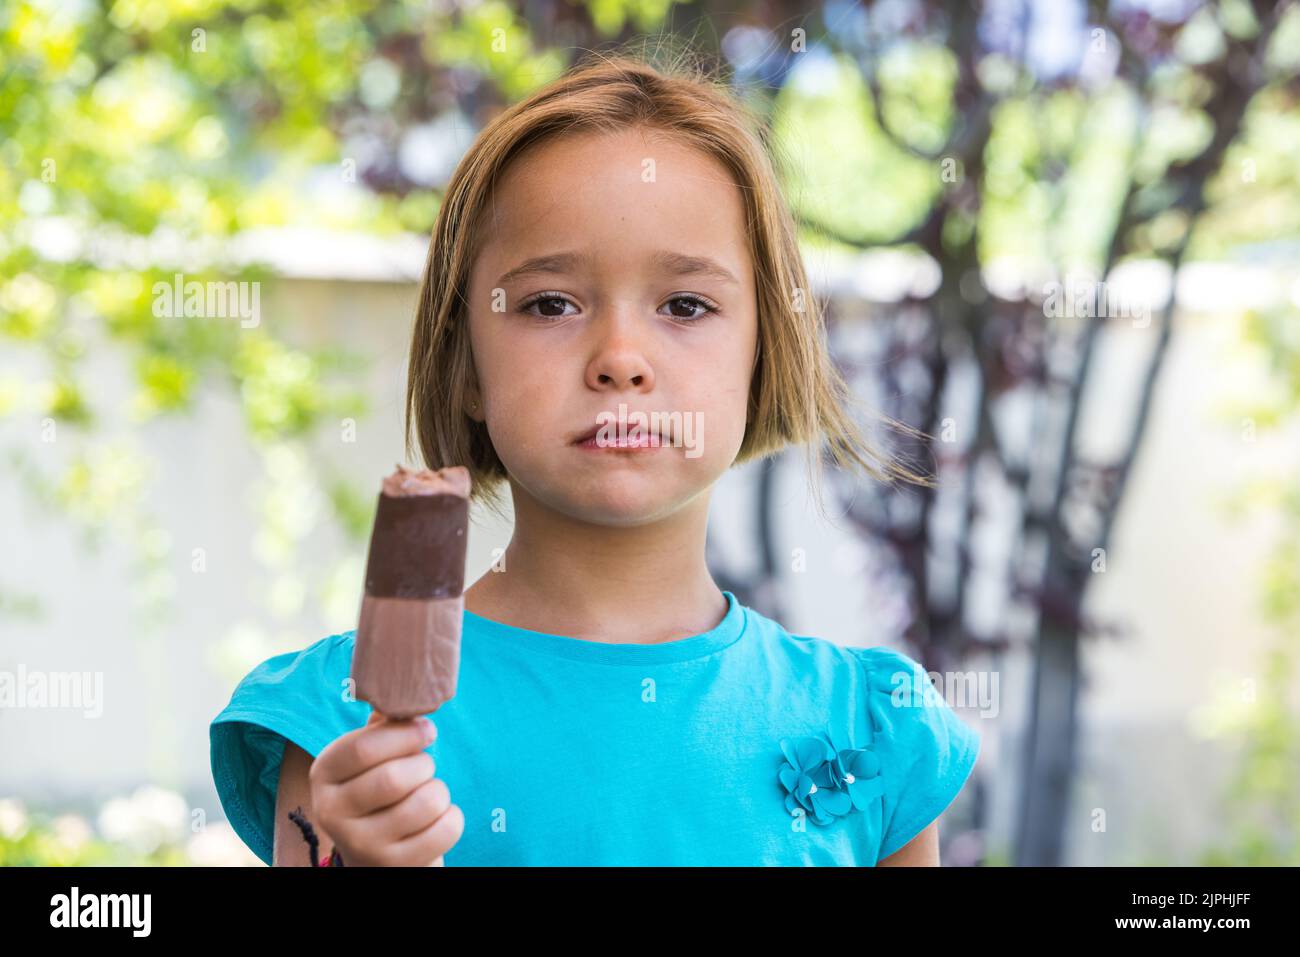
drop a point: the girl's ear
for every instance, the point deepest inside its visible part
(473, 405)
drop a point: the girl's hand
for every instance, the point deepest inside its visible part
(374, 794)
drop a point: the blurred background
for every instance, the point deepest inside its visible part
(1062, 239)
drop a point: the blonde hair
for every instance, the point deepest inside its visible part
(796, 394)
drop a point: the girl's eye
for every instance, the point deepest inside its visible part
(552, 306)
(548, 301)
(694, 302)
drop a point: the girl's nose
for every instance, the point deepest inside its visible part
(619, 366)
(619, 361)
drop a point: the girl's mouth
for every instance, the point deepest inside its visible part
(644, 442)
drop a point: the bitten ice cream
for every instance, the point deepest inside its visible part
(407, 651)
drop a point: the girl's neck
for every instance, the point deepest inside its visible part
(641, 584)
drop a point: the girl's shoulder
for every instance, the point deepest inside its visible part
(927, 750)
(301, 696)
(924, 752)
(894, 689)
(880, 666)
(302, 692)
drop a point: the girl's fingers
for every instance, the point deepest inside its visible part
(393, 834)
(408, 817)
(426, 848)
(380, 740)
(385, 786)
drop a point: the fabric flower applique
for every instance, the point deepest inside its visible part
(827, 776)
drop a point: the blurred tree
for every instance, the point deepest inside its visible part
(1026, 143)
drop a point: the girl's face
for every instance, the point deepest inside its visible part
(615, 271)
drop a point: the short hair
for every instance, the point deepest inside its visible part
(796, 394)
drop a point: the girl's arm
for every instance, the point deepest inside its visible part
(920, 851)
(289, 848)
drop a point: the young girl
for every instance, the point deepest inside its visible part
(616, 240)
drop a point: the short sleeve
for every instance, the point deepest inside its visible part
(301, 696)
(927, 752)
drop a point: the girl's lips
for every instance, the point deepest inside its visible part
(638, 443)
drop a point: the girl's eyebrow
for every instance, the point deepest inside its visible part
(677, 263)
(557, 263)
(682, 265)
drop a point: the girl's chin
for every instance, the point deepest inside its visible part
(621, 506)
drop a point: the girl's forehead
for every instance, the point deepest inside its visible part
(620, 197)
(647, 165)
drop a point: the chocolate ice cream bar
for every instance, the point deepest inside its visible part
(407, 651)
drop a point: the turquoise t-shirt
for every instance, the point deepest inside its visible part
(744, 745)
